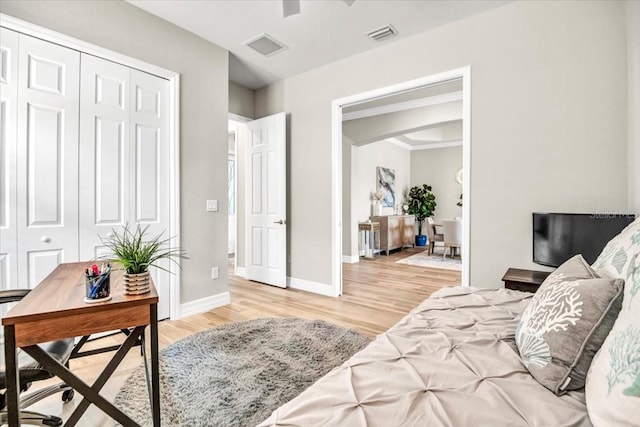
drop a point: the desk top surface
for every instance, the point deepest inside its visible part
(62, 293)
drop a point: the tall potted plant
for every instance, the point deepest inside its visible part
(136, 254)
(422, 205)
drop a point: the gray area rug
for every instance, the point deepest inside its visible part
(422, 259)
(237, 374)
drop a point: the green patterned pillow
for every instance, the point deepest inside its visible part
(621, 259)
(613, 382)
(565, 324)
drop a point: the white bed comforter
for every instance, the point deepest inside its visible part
(452, 361)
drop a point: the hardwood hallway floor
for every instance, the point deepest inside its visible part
(376, 294)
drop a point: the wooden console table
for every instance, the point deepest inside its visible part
(54, 310)
(396, 231)
(524, 280)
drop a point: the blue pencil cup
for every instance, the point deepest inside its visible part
(97, 288)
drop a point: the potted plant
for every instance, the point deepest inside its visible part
(136, 254)
(422, 205)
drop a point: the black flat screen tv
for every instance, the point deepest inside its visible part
(559, 236)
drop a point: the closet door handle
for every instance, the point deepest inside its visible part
(45, 239)
(280, 222)
(110, 235)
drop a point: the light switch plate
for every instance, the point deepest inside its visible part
(212, 205)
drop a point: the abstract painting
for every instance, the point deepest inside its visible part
(385, 185)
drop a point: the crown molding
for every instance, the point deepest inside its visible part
(403, 106)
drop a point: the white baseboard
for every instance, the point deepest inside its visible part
(350, 259)
(203, 304)
(241, 271)
(309, 286)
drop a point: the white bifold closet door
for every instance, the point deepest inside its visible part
(8, 122)
(124, 158)
(84, 149)
(47, 159)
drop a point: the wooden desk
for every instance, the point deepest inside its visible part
(55, 309)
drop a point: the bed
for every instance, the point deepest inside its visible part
(452, 361)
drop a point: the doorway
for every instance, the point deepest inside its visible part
(342, 106)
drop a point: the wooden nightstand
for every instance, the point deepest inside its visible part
(524, 280)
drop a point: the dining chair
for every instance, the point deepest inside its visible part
(432, 235)
(452, 231)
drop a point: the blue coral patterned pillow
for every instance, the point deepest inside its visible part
(566, 323)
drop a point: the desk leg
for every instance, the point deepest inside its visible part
(11, 368)
(155, 366)
(90, 394)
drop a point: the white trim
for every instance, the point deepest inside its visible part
(240, 271)
(336, 163)
(33, 30)
(336, 195)
(239, 118)
(402, 106)
(203, 304)
(428, 146)
(174, 190)
(350, 259)
(466, 179)
(309, 286)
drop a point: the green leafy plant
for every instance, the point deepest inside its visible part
(136, 253)
(422, 204)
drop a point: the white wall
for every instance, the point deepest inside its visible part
(364, 161)
(347, 166)
(203, 69)
(548, 129)
(633, 66)
(269, 100)
(241, 100)
(437, 167)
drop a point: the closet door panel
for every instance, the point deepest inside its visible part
(150, 166)
(47, 158)
(104, 157)
(8, 102)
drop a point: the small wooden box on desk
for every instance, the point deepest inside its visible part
(524, 280)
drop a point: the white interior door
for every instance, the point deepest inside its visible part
(149, 166)
(266, 248)
(104, 139)
(47, 158)
(8, 123)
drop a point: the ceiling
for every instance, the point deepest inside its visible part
(419, 119)
(323, 32)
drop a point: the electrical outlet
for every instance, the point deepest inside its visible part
(215, 272)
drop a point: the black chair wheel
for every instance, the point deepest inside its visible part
(67, 395)
(52, 421)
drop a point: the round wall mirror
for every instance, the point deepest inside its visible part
(459, 176)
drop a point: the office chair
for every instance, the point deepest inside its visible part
(30, 370)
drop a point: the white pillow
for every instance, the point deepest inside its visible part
(613, 382)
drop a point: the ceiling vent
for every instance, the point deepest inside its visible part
(265, 45)
(382, 33)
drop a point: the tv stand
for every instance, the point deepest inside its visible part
(524, 280)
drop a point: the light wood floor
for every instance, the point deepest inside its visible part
(376, 295)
